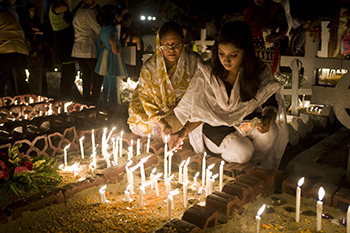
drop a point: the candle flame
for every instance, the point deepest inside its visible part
(301, 181)
(211, 166)
(145, 159)
(131, 142)
(205, 154)
(215, 176)
(200, 190)
(149, 136)
(82, 138)
(128, 187)
(170, 178)
(182, 163)
(261, 210)
(154, 170)
(321, 193)
(187, 161)
(174, 192)
(197, 174)
(67, 147)
(159, 175)
(103, 188)
(129, 163)
(222, 162)
(121, 133)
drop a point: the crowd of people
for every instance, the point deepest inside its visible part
(181, 98)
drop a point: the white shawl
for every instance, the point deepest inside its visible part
(206, 100)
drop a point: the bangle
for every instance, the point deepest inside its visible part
(188, 131)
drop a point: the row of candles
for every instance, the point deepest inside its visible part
(319, 209)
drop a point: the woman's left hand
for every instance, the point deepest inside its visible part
(264, 125)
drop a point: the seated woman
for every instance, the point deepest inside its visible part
(238, 86)
(163, 81)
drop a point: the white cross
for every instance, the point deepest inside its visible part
(204, 43)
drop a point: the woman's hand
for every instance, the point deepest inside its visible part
(176, 139)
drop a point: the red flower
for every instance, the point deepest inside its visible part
(5, 171)
(28, 165)
(21, 169)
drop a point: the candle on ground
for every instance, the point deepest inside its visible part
(203, 169)
(130, 177)
(121, 144)
(298, 196)
(93, 141)
(92, 167)
(180, 170)
(167, 184)
(142, 169)
(170, 202)
(170, 155)
(65, 155)
(102, 192)
(208, 175)
(184, 189)
(131, 150)
(138, 151)
(212, 183)
(185, 177)
(104, 143)
(319, 209)
(166, 158)
(348, 220)
(221, 175)
(156, 182)
(115, 150)
(152, 177)
(110, 135)
(258, 218)
(195, 179)
(81, 146)
(127, 197)
(142, 192)
(148, 143)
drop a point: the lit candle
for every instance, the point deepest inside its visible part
(92, 167)
(115, 150)
(156, 182)
(298, 195)
(107, 158)
(348, 220)
(121, 144)
(65, 155)
(127, 197)
(195, 179)
(104, 143)
(203, 169)
(142, 192)
(184, 189)
(131, 151)
(258, 218)
(152, 177)
(110, 135)
(93, 141)
(180, 170)
(81, 146)
(208, 174)
(142, 168)
(165, 157)
(170, 155)
(221, 175)
(148, 143)
(138, 152)
(167, 184)
(102, 192)
(186, 169)
(170, 202)
(130, 177)
(321, 194)
(75, 167)
(212, 183)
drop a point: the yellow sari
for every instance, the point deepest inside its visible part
(159, 91)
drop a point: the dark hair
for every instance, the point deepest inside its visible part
(108, 12)
(171, 26)
(239, 34)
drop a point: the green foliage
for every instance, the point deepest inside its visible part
(21, 174)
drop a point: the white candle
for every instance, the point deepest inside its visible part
(142, 169)
(203, 169)
(93, 141)
(258, 218)
(148, 143)
(165, 158)
(180, 170)
(92, 167)
(127, 197)
(156, 182)
(102, 192)
(121, 144)
(152, 177)
(110, 135)
(131, 151)
(104, 143)
(212, 183)
(81, 146)
(184, 189)
(65, 155)
(221, 175)
(185, 177)
(348, 220)
(298, 195)
(115, 150)
(319, 208)
(142, 192)
(170, 155)
(208, 174)
(138, 152)
(195, 179)
(170, 202)
(167, 184)
(130, 177)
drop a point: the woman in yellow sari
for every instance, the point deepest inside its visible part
(164, 78)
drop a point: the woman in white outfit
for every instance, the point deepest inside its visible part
(236, 89)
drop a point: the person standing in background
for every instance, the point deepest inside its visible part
(61, 22)
(86, 30)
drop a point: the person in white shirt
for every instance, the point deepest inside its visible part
(86, 30)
